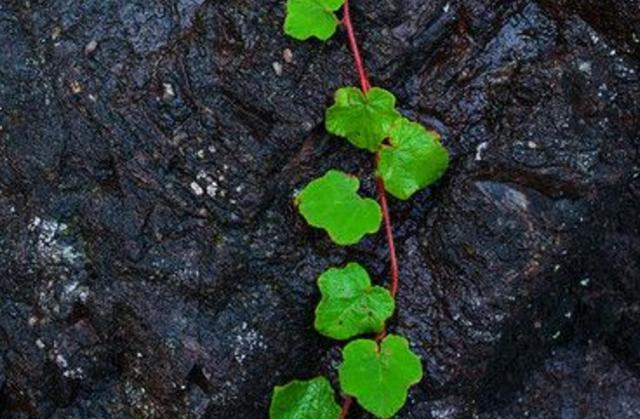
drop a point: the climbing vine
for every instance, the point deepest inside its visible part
(376, 372)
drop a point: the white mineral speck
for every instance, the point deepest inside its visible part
(69, 288)
(585, 67)
(287, 56)
(481, 147)
(91, 47)
(212, 190)
(247, 342)
(83, 295)
(62, 363)
(75, 87)
(196, 188)
(277, 67)
(55, 34)
(168, 93)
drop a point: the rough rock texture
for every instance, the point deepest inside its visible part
(152, 264)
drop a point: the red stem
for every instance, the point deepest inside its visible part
(382, 196)
(362, 73)
(393, 261)
(345, 407)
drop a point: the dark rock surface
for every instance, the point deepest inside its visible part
(151, 262)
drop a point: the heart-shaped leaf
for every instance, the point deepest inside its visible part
(307, 18)
(363, 119)
(350, 305)
(414, 160)
(332, 203)
(313, 399)
(379, 377)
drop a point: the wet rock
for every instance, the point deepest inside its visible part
(3, 377)
(584, 382)
(152, 263)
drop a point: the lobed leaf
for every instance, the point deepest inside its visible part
(333, 204)
(350, 305)
(307, 18)
(379, 377)
(363, 119)
(313, 399)
(414, 159)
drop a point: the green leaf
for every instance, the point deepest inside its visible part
(313, 399)
(332, 203)
(414, 159)
(363, 119)
(307, 18)
(350, 305)
(379, 377)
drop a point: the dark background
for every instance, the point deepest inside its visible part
(152, 264)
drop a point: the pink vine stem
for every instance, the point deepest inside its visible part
(382, 196)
